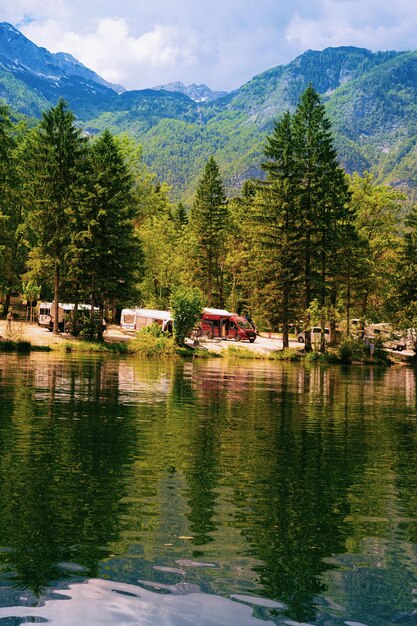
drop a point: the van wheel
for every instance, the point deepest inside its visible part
(300, 340)
(399, 348)
(252, 339)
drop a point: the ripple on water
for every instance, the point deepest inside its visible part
(106, 603)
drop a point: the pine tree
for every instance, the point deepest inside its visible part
(278, 219)
(9, 207)
(105, 256)
(180, 216)
(209, 222)
(406, 283)
(55, 163)
(323, 198)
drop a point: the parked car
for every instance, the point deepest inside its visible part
(315, 334)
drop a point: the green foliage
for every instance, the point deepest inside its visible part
(54, 164)
(287, 355)
(10, 206)
(161, 238)
(15, 346)
(302, 214)
(186, 306)
(105, 255)
(352, 349)
(151, 341)
(209, 224)
(89, 327)
(93, 346)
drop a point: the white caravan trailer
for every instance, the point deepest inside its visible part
(46, 312)
(127, 320)
(132, 320)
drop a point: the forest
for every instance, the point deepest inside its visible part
(83, 219)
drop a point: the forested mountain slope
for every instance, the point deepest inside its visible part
(371, 99)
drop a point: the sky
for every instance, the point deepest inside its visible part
(222, 43)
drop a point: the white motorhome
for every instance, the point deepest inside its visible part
(391, 338)
(46, 313)
(132, 320)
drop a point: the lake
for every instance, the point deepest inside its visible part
(206, 492)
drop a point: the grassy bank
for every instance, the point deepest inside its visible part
(151, 342)
(22, 347)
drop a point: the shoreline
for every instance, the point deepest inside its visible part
(27, 337)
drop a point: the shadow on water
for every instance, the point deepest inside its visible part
(214, 482)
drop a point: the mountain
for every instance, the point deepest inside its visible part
(15, 47)
(371, 99)
(32, 79)
(198, 93)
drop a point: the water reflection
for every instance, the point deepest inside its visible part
(212, 480)
(99, 602)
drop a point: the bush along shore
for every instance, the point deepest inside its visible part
(151, 342)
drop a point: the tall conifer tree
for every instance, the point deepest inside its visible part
(209, 222)
(278, 220)
(105, 257)
(303, 213)
(9, 207)
(56, 158)
(323, 198)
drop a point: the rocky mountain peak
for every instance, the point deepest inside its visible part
(19, 50)
(198, 93)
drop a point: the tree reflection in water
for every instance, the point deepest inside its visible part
(294, 483)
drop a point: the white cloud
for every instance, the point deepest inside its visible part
(141, 43)
(148, 43)
(357, 23)
(19, 11)
(117, 55)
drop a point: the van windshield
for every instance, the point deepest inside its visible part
(128, 319)
(243, 323)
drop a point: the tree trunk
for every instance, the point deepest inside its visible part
(323, 299)
(7, 304)
(307, 330)
(348, 307)
(332, 321)
(285, 304)
(56, 300)
(100, 326)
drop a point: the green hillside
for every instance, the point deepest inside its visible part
(371, 99)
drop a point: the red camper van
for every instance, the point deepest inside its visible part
(222, 324)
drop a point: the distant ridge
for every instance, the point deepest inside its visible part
(198, 93)
(370, 97)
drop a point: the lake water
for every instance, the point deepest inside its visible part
(145, 493)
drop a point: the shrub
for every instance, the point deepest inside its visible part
(186, 306)
(352, 349)
(89, 328)
(152, 341)
(287, 355)
(15, 346)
